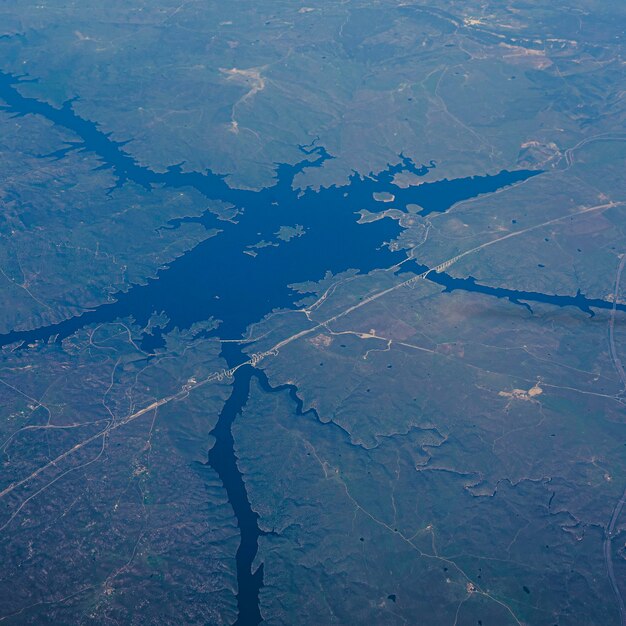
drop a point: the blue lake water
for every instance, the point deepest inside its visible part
(218, 279)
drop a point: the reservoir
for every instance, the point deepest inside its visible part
(281, 236)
